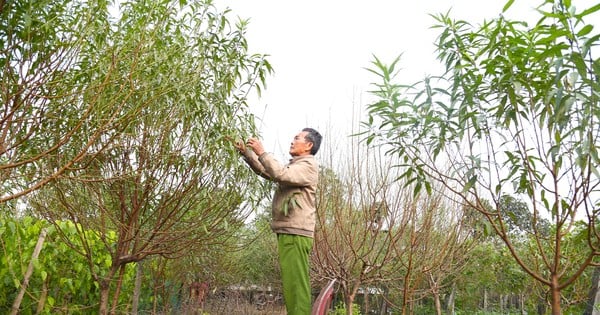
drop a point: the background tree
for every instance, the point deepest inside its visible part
(519, 117)
(257, 262)
(372, 233)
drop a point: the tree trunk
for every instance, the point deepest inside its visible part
(383, 305)
(119, 285)
(42, 301)
(366, 300)
(485, 300)
(349, 303)
(104, 290)
(593, 305)
(36, 252)
(438, 305)
(450, 300)
(137, 288)
(435, 291)
(555, 296)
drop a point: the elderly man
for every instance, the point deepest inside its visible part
(293, 210)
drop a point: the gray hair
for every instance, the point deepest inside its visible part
(313, 137)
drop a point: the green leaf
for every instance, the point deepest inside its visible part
(487, 228)
(585, 30)
(580, 64)
(294, 203)
(284, 209)
(507, 5)
(470, 183)
(589, 11)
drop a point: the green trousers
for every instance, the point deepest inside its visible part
(294, 251)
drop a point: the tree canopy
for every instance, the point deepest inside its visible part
(515, 113)
(120, 117)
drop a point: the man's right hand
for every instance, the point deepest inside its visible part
(256, 146)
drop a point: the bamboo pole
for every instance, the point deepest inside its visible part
(36, 252)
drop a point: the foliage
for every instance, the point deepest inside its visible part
(76, 74)
(518, 117)
(258, 261)
(519, 219)
(340, 309)
(61, 281)
(60, 95)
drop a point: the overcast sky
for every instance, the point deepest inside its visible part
(319, 49)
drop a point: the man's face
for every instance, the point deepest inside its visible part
(299, 145)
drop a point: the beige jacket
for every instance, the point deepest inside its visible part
(293, 208)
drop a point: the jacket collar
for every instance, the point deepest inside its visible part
(301, 157)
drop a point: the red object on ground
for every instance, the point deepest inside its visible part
(323, 301)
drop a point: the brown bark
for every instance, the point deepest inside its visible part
(104, 291)
(555, 295)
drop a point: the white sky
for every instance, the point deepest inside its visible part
(319, 49)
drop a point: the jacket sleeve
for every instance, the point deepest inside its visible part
(252, 161)
(301, 173)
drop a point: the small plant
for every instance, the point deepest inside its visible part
(340, 309)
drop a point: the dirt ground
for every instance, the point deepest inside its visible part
(246, 310)
(242, 305)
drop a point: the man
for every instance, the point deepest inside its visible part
(293, 211)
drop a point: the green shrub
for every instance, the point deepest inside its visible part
(340, 309)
